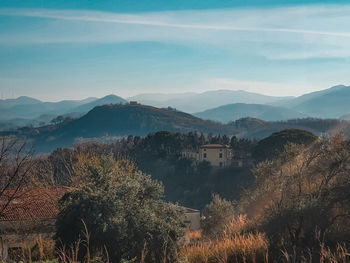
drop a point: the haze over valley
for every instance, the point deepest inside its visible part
(160, 131)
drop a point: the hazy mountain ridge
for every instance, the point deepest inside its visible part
(257, 129)
(26, 111)
(232, 112)
(22, 100)
(329, 103)
(118, 120)
(196, 102)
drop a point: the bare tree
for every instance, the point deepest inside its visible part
(15, 164)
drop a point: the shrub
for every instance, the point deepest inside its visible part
(216, 215)
(123, 210)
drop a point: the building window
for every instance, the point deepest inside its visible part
(220, 164)
(204, 155)
(220, 155)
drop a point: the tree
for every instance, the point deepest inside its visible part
(303, 196)
(217, 215)
(272, 146)
(122, 208)
(15, 166)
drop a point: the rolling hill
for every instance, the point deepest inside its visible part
(329, 103)
(237, 111)
(257, 129)
(119, 120)
(109, 99)
(196, 102)
(26, 111)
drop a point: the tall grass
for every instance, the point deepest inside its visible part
(237, 248)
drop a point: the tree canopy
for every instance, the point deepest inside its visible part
(272, 146)
(123, 211)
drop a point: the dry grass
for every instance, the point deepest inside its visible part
(325, 255)
(194, 235)
(238, 248)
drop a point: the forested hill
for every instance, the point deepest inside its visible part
(257, 129)
(139, 120)
(119, 120)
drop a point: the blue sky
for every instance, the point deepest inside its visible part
(56, 50)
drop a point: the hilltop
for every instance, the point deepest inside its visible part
(329, 103)
(237, 111)
(119, 120)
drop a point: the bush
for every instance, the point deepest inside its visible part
(123, 210)
(302, 198)
(216, 216)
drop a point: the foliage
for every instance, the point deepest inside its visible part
(123, 210)
(186, 181)
(302, 198)
(272, 146)
(216, 215)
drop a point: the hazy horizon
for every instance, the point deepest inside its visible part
(78, 49)
(158, 93)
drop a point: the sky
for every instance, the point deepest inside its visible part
(55, 49)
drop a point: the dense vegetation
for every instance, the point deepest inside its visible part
(120, 210)
(293, 207)
(118, 120)
(185, 180)
(111, 122)
(272, 146)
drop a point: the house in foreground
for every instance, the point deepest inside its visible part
(218, 155)
(30, 214)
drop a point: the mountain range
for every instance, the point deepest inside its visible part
(116, 120)
(232, 112)
(29, 111)
(195, 102)
(113, 121)
(220, 105)
(329, 103)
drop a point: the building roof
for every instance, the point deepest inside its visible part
(190, 210)
(31, 203)
(215, 146)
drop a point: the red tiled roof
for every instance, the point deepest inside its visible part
(31, 203)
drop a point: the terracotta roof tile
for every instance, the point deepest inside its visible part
(32, 203)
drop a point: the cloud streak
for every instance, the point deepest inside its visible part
(151, 20)
(302, 32)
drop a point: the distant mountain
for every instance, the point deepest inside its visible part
(25, 111)
(119, 120)
(31, 111)
(109, 99)
(257, 129)
(23, 100)
(329, 103)
(345, 117)
(237, 111)
(20, 122)
(196, 102)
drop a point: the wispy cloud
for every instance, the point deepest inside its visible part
(298, 32)
(176, 18)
